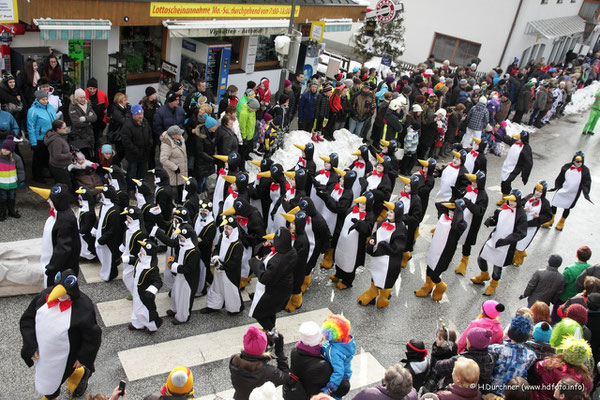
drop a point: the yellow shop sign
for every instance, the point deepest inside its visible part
(220, 10)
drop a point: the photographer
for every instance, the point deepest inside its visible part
(59, 152)
(116, 395)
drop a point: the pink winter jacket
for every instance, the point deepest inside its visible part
(552, 376)
(485, 323)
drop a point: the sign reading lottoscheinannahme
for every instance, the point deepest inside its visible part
(219, 10)
(9, 12)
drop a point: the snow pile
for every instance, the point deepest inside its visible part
(582, 99)
(512, 128)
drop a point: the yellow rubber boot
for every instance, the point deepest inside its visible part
(462, 266)
(491, 289)
(334, 278)
(405, 257)
(327, 262)
(417, 233)
(244, 282)
(341, 285)
(518, 258)
(549, 223)
(306, 283)
(383, 300)
(294, 303)
(481, 278)
(439, 290)
(426, 288)
(368, 296)
(560, 225)
(77, 382)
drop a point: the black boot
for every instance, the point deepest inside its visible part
(3, 211)
(11, 210)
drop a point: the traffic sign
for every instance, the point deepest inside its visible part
(387, 61)
(386, 10)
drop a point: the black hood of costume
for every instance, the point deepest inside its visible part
(463, 156)
(187, 231)
(206, 205)
(241, 182)
(265, 164)
(110, 193)
(398, 211)
(481, 147)
(525, 137)
(392, 147)
(59, 194)
(300, 222)
(191, 185)
(480, 179)
(87, 196)
(370, 200)
(519, 195)
(144, 188)
(283, 240)
(133, 213)
(68, 280)
(364, 152)
(309, 151)
(307, 205)
(414, 185)
(432, 165)
(234, 162)
(300, 177)
(277, 173)
(334, 160)
(242, 207)
(151, 247)
(182, 215)
(162, 176)
(580, 154)
(349, 178)
(544, 189)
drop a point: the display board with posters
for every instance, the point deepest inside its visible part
(168, 75)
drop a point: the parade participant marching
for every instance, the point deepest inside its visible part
(206, 231)
(385, 248)
(301, 244)
(131, 246)
(63, 341)
(448, 230)
(186, 269)
(232, 164)
(115, 177)
(538, 211)
(476, 202)
(427, 180)
(389, 149)
(237, 188)
(61, 244)
(145, 202)
(275, 278)
(519, 160)
(452, 180)
(298, 181)
(379, 183)
(350, 249)
(227, 261)
(163, 194)
(146, 283)
(324, 182)
(306, 162)
(109, 234)
(362, 166)
(86, 220)
(189, 197)
(412, 214)
(318, 234)
(573, 180)
(281, 192)
(476, 160)
(259, 191)
(510, 222)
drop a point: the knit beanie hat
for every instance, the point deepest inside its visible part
(575, 351)
(79, 93)
(483, 100)
(566, 327)
(415, 350)
(555, 260)
(92, 82)
(310, 333)
(175, 86)
(175, 130)
(336, 327)
(150, 91)
(40, 94)
(287, 83)
(265, 392)
(106, 149)
(519, 329)
(136, 109)
(255, 341)
(180, 381)
(593, 302)
(542, 332)
(171, 97)
(349, 83)
(492, 309)
(9, 143)
(250, 93)
(578, 313)
(267, 117)
(479, 338)
(210, 122)
(253, 104)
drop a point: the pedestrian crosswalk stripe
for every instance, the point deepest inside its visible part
(366, 371)
(91, 271)
(155, 359)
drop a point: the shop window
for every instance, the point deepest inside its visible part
(457, 51)
(265, 51)
(236, 49)
(142, 48)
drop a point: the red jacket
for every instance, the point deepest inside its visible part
(102, 98)
(552, 376)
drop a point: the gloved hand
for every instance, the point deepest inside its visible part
(521, 297)
(501, 242)
(214, 260)
(278, 338)
(488, 222)
(354, 220)
(174, 267)
(153, 231)
(125, 259)
(155, 210)
(82, 119)
(149, 295)
(329, 388)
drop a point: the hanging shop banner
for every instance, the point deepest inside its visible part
(9, 12)
(220, 10)
(76, 50)
(316, 31)
(168, 75)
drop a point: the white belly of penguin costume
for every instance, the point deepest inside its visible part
(379, 265)
(504, 227)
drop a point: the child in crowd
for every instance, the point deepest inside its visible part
(262, 129)
(465, 377)
(272, 134)
(444, 346)
(13, 174)
(338, 349)
(83, 172)
(416, 362)
(440, 127)
(488, 319)
(106, 156)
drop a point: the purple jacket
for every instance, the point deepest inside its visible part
(380, 393)
(453, 392)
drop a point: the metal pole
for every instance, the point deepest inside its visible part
(284, 72)
(291, 27)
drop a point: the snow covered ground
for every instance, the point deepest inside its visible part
(582, 99)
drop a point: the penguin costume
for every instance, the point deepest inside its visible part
(86, 220)
(186, 269)
(324, 182)
(306, 162)
(301, 244)
(237, 188)
(475, 159)
(146, 283)
(206, 231)
(163, 194)
(385, 248)
(134, 233)
(574, 178)
(109, 234)
(251, 230)
(61, 244)
(318, 235)
(298, 181)
(412, 214)
(379, 183)
(189, 197)
(539, 212)
(389, 149)
(274, 268)
(338, 202)
(476, 203)
(510, 223)
(63, 340)
(452, 180)
(426, 182)
(260, 188)
(519, 160)
(233, 163)
(115, 177)
(362, 166)
(350, 249)
(145, 202)
(448, 231)
(227, 261)
(278, 189)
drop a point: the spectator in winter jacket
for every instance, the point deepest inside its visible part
(225, 139)
(82, 118)
(540, 341)
(539, 104)
(386, 86)
(99, 102)
(39, 120)
(13, 176)
(282, 109)
(248, 94)
(378, 123)
(545, 285)
(137, 143)
(322, 106)
(151, 104)
(363, 106)
(338, 107)
(477, 119)
(60, 155)
(292, 103)
(248, 125)
(591, 285)
(53, 99)
(204, 163)
(523, 101)
(264, 93)
(571, 273)
(338, 349)
(119, 112)
(167, 115)
(514, 87)
(396, 384)
(180, 385)
(173, 156)
(306, 107)
(428, 127)
(505, 104)
(8, 125)
(465, 377)
(249, 369)
(416, 362)
(488, 319)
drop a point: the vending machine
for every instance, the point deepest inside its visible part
(308, 59)
(208, 59)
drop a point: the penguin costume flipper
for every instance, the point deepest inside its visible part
(84, 319)
(525, 162)
(66, 243)
(27, 327)
(586, 183)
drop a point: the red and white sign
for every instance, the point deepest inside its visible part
(385, 11)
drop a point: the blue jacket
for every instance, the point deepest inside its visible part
(339, 355)
(306, 107)
(379, 95)
(165, 117)
(8, 123)
(39, 121)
